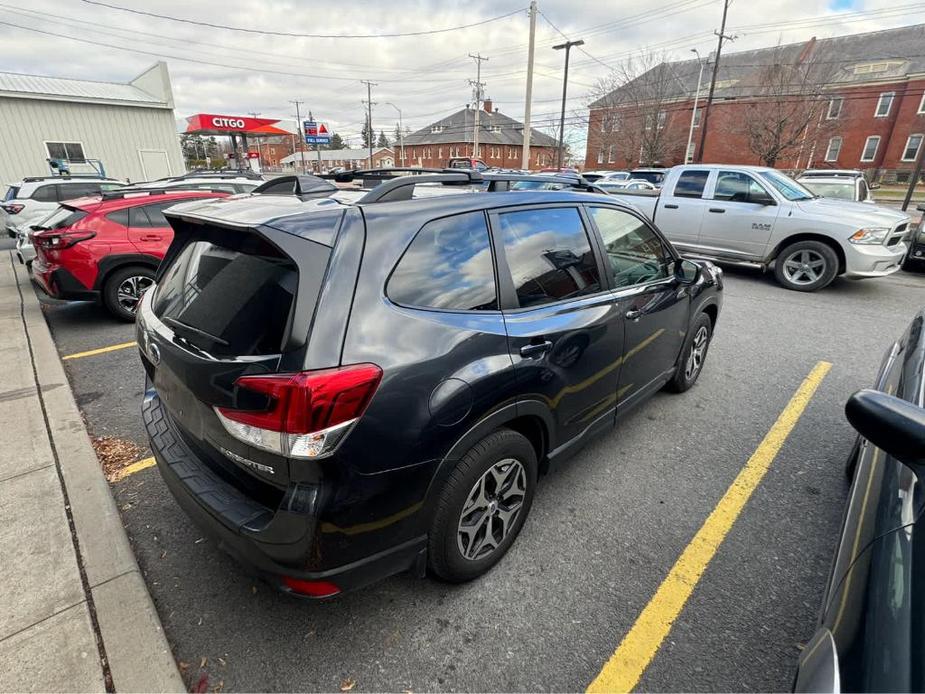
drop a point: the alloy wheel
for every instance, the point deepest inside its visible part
(804, 267)
(491, 509)
(697, 353)
(130, 290)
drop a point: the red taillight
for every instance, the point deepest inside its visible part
(310, 410)
(13, 208)
(60, 239)
(314, 589)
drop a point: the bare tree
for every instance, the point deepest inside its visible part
(787, 105)
(637, 101)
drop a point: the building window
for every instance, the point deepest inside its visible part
(662, 119)
(831, 154)
(611, 154)
(690, 152)
(436, 129)
(870, 148)
(697, 114)
(835, 104)
(912, 147)
(922, 104)
(600, 156)
(884, 104)
(68, 151)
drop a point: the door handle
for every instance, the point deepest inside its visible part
(536, 349)
(669, 206)
(717, 210)
(633, 314)
(151, 237)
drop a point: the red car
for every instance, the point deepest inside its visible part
(106, 247)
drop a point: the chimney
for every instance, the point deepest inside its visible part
(486, 104)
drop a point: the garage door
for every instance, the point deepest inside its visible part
(154, 164)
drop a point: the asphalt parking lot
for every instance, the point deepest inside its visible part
(604, 532)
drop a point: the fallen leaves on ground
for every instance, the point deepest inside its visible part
(348, 684)
(115, 454)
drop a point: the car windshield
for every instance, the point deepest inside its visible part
(786, 186)
(840, 190)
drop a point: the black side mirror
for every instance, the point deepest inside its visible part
(892, 424)
(687, 271)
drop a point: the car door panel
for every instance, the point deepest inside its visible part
(565, 332)
(734, 226)
(680, 211)
(148, 229)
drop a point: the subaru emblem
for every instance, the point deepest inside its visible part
(155, 353)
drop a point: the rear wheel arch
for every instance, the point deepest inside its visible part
(111, 263)
(809, 236)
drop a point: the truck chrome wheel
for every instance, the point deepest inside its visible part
(491, 509)
(804, 267)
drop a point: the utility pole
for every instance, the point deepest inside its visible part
(478, 100)
(721, 34)
(298, 117)
(568, 47)
(369, 116)
(915, 175)
(690, 132)
(401, 132)
(525, 163)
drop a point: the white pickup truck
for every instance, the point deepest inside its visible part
(758, 216)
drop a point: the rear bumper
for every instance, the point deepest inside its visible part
(59, 283)
(271, 542)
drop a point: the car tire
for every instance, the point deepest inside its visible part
(911, 264)
(806, 266)
(487, 483)
(120, 287)
(693, 355)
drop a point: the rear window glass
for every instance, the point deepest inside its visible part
(228, 301)
(447, 266)
(46, 194)
(62, 218)
(11, 193)
(119, 216)
(691, 184)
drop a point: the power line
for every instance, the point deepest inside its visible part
(246, 30)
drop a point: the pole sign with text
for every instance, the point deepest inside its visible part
(316, 133)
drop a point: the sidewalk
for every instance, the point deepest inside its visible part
(75, 614)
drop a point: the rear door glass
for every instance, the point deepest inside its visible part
(691, 184)
(229, 300)
(46, 193)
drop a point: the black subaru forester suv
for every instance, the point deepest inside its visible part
(340, 390)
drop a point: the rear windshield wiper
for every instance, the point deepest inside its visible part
(184, 326)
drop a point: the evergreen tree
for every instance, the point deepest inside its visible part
(396, 136)
(382, 141)
(336, 142)
(367, 133)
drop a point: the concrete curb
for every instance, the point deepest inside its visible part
(137, 651)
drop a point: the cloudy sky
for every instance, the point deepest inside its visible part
(221, 70)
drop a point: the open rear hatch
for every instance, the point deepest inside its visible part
(232, 305)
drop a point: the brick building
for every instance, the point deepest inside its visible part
(500, 141)
(273, 149)
(868, 113)
(345, 158)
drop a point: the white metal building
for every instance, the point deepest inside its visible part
(129, 127)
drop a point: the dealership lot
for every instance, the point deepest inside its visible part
(604, 532)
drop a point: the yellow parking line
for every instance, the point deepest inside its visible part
(101, 350)
(626, 666)
(133, 468)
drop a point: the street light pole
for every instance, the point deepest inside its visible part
(401, 132)
(690, 134)
(568, 47)
(298, 115)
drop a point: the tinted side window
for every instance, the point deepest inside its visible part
(691, 184)
(283, 187)
(46, 193)
(138, 217)
(156, 216)
(635, 254)
(448, 265)
(549, 255)
(119, 217)
(734, 186)
(71, 191)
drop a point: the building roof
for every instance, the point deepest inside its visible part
(874, 56)
(334, 155)
(495, 128)
(132, 93)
